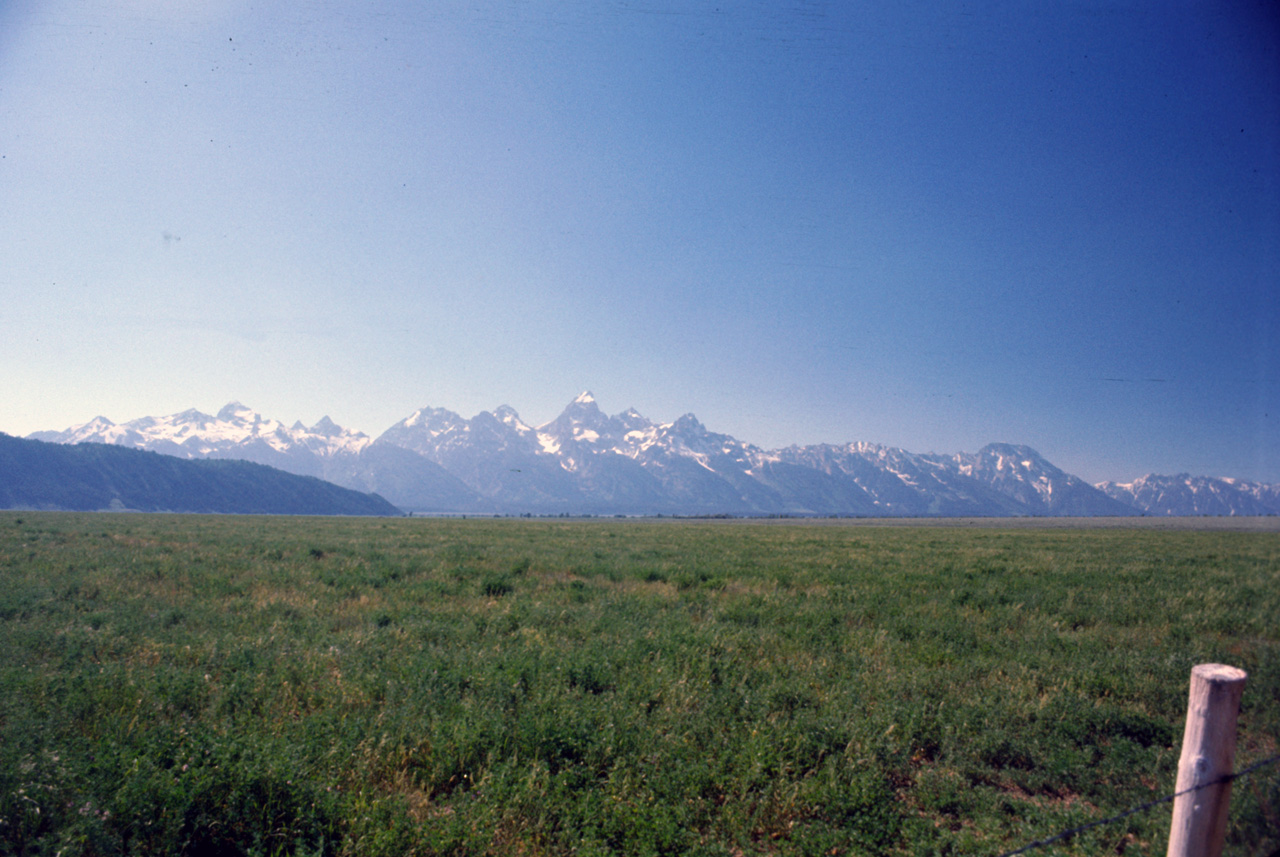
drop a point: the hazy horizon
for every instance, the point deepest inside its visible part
(803, 222)
(540, 423)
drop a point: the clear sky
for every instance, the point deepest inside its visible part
(928, 225)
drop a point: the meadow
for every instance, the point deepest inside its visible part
(201, 685)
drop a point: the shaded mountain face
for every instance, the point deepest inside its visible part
(1195, 495)
(1019, 472)
(95, 476)
(325, 450)
(999, 480)
(587, 462)
(895, 482)
(494, 454)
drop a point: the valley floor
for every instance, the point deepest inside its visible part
(208, 684)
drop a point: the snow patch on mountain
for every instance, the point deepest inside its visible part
(194, 434)
(585, 461)
(1186, 495)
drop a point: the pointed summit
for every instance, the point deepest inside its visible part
(583, 409)
(633, 420)
(580, 421)
(233, 411)
(326, 427)
(508, 415)
(438, 418)
(688, 424)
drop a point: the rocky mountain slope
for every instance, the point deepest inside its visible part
(1195, 495)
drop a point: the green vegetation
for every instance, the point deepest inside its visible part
(216, 685)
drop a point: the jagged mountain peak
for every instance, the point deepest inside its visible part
(585, 461)
(1023, 474)
(1009, 458)
(427, 416)
(235, 411)
(688, 424)
(1018, 451)
(1140, 481)
(580, 421)
(236, 432)
(583, 407)
(633, 420)
(507, 414)
(99, 430)
(326, 427)
(1183, 494)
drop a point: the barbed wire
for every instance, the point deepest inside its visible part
(1067, 834)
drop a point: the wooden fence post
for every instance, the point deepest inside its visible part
(1208, 752)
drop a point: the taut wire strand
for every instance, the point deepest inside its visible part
(1067, 834)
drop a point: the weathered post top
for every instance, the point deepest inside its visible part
(1208, 754)
(1219, 673)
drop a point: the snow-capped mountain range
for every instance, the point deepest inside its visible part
(235, 428)
(586, 462)
(1196, 495)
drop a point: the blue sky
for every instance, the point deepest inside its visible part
(926, 225)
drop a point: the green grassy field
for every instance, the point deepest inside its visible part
(220, 685)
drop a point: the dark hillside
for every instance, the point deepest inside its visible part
(93, 476)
